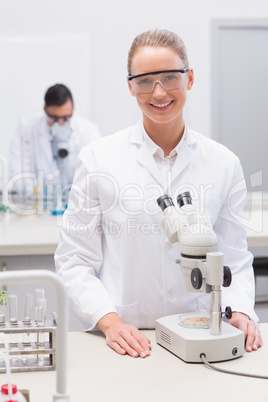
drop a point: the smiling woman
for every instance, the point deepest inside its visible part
(160, 78)
(123, 275)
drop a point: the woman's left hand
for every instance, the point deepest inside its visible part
(253, 337)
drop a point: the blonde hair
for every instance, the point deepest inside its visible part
(158, 38)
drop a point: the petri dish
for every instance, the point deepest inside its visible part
(194, 320)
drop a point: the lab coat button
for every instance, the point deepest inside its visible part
(168, 246)
(170, 297)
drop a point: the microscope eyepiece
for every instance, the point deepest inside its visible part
(165, 201)
(184, 198)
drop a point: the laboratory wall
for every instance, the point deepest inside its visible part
(38, 40)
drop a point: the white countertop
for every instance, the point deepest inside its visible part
(29, 235)
(256, 222)
(96, 372)
(39, 234)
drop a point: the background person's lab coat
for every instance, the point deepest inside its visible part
(113, 254)
(31, 150)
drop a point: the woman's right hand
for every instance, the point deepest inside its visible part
(123, 338)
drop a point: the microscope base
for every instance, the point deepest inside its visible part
(189, 343)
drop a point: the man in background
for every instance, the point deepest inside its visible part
(45, 145)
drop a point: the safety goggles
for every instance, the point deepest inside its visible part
(168, 79)
(57, 119)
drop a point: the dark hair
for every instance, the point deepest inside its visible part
(57, 95)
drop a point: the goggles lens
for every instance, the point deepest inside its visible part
(57, 119)
(169, 80)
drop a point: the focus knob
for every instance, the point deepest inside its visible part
(196, 278)
(227, 277)
(228, 312)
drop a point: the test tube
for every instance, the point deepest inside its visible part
(28, 308)
(41, 318)
(13, 318)
(41, 312)
(45, 310)
(13, 309)
(39, 295)
(26, 341)
(2, 310)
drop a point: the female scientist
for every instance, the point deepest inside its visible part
(115, 260)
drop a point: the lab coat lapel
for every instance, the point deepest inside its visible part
(182, 160)
(184, 156)
(146, 159)
(144, 156)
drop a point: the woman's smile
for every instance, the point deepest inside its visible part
(161, 106)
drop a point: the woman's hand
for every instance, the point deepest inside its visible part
(124, 339)
(253, 337)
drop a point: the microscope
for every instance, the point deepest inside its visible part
(60, 147)
(192, 334)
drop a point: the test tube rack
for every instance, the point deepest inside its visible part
(31, 347)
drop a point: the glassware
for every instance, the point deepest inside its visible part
(13, 309)
(3, 303)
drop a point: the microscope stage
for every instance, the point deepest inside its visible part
(189, 343)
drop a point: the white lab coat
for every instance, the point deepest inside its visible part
(31, 151)
(113, 254)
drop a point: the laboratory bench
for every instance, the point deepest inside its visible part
(256, 222)
(39, 234)
(30, 241)
(29, 234)
(35, 235)
(96, 372)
